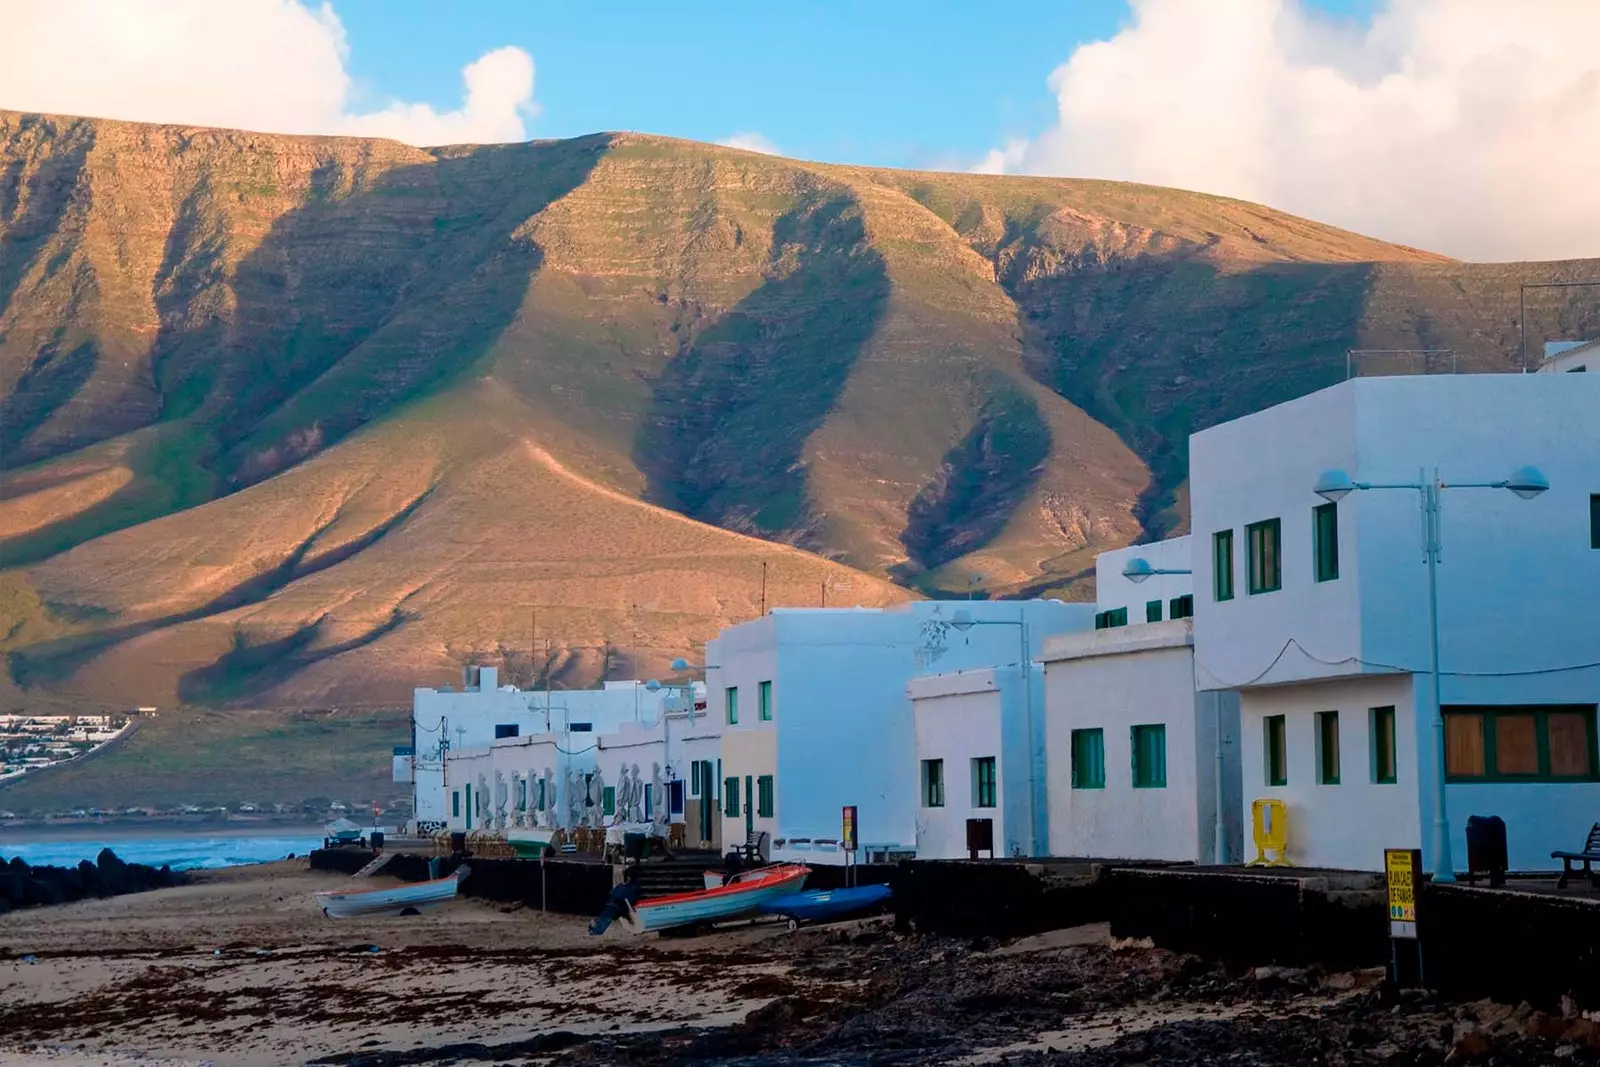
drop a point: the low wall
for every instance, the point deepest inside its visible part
(994, 899)
(562, 886)
(1510, 946)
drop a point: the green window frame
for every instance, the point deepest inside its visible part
(1152, 611)
(1222, 565)
(1089, 759)
(764, 793)
(1150, 756)
(731, 699)
(730, 797)
(1264, 549)
(455, 804)
(764, 701)
(1111, 618)
(933, 783)
(1385, 761)
(694, 778)
(983, 782)
(1520, 743)
(1275, 745)
(608, 800)
(1325, 541)
(1181, 607)
(1328, 747)
(1594, 520)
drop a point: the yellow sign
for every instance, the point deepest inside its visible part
(1403, 875)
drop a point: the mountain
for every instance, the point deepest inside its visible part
(301, 421)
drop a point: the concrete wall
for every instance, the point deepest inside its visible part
(1113, 680)
(958, 719)
(1112, 590)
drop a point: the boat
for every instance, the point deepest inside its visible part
(742, 895)
(343, 832)
(393, 900)
(826, 905)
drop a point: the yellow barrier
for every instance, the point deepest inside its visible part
(1269, 827)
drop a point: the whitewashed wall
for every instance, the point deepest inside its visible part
(1112, 590)
(958, 719)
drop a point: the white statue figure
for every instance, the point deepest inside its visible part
(481, 799)
(624, 791)
(519, 796)
(597, 798)
(636, 798)
(501, 795)
(546, 800)
(575, 799)
(660, 803)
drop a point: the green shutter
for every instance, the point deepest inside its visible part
(1150, 756)
(764, 701)
(1263, 543)
(1277, 755)
(1328, 747)
(608, 800)
(1088, 759)
(1222, 565)
(730, 797)
(764, 796)
(1152, 611)
(733, 705)
(1384, 767)
(1325, 541)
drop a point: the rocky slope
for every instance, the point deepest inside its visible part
(293, 420)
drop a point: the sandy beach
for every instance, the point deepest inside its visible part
(240, 969)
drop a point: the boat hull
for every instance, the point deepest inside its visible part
(395, 900)
(824, 905)
(740, 898)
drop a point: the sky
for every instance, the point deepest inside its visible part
(1461, 126)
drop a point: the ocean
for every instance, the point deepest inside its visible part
(182, 852)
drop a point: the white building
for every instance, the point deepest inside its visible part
(1137, 767)
(1570, 357)
(971, 760)
(816, 715)
(1317, 612)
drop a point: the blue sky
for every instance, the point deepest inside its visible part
(934, 83)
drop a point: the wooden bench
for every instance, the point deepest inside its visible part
(1589, 856)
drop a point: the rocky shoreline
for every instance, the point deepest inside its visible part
(23, 885)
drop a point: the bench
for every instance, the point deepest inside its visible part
(755, 844)
(1589, 856)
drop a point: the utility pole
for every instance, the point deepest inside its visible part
(763, 587)
(533, 648)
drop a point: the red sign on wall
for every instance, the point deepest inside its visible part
(847, 836)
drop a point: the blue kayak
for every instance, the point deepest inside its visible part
(821, 905)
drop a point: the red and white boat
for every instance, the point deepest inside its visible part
(743, 895)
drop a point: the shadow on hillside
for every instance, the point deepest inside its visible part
(733, 409)
(353, 303)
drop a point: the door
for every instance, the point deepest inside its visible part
(469, 805)
(749, 806)
(708, 805)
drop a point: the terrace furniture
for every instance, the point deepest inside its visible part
(1589, 855)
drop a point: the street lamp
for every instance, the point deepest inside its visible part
(1138, 569)
(1526, 483)
(963, 620)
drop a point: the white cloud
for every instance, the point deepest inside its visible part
(273, 65)
(1470, 127)
(751, 141)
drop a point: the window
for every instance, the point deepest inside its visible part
(1520, 743)
(694, 778)
(764, 701)
(505, 729)
(1262, 541)
(608, 801)
(1222, 565)
(1152, 611)
(1111, 618)
(580, 727)
(983, 782)
(933, 783)
(764, 796)
(1181, 607)
(1384, 765)
(1277, 750)
(1088, 759)
(1150, 757)
(730, 797)
(455, 804)
(1328, 747)
(1325, 541)
(733, 705)
(1594, 521)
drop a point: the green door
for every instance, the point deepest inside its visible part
(749, 806)
(708, 805)
(469, 805)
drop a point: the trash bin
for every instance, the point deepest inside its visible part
(1486, 849)
(458, 842)
(377, 840)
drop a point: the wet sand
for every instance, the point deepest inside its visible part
(240, 969)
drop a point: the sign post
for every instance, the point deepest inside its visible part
(1402, 868)
(848, 842)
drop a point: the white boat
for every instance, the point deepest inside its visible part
(395, 900)
(744, 895)
(343, 830)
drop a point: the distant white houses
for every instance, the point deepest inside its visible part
(1316, 610)
(1570, 357)
(1141, 765)
(817, 714)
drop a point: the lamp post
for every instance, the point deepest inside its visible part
(1526, 483)
(1138, 570)
(963, 620)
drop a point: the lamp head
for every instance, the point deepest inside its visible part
(1527, 482)
(680, 664)
(963, 620)
(1334, 485)
(1138, 569)
(652, 686)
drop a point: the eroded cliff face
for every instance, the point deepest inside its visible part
(289, 419)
